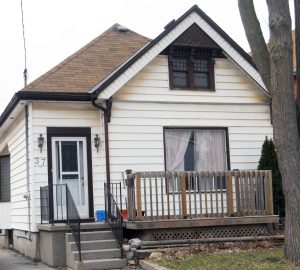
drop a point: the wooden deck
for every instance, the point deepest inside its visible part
(200, 222)
(169, 198)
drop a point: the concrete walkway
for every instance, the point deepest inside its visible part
(10, 260)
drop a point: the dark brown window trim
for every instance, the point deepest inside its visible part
(190, 69)
(73, 132)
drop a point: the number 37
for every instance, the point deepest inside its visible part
(39, 161)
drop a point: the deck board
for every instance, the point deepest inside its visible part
(201, 222)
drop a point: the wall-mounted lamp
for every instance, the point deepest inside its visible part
(97, 142)
(41, 142)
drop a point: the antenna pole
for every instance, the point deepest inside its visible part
(25, 72)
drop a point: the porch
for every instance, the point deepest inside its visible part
(173, 200)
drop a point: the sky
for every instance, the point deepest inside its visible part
(55, 29)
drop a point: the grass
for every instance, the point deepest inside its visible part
(260, 259)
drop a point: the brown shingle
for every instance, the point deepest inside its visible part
(84, 69)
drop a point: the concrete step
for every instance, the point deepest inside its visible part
(97, 254)
(100, 264)
(91, 236)
(94, 245)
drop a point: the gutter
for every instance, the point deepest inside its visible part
(33, 95)
(106, 112)
(27, 195)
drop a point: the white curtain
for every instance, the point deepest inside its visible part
(210, 150)
(210, 154)
(176, 141)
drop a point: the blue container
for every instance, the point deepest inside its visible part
(100, 215)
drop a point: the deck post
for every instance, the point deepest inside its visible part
(139, 197)
(130, 195)
(183, 196)
(229, 190)
(270, 193)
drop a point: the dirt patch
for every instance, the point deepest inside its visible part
(226, 247)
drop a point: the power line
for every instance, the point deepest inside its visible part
(24, 43)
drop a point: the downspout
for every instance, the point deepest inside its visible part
(27, 194)
(106, 114)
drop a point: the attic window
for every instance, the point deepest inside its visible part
(191, 68)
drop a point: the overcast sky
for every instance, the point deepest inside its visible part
(54, 29)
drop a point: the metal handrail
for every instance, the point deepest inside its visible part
(57, 204)
(73, 219)
(114, 213)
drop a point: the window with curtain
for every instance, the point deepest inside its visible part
(4, 179)
(197, 150)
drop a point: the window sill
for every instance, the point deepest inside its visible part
(195, 89)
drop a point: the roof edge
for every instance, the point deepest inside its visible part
(33, 95)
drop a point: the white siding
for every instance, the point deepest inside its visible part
(66, 115)
(145, 105)
(14, 138)
(5, 220)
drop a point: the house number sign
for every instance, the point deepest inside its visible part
(40, 161)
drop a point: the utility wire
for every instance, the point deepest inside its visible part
(24, 42)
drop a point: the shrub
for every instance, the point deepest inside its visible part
(268, 161)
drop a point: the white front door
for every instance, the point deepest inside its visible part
(69, 162)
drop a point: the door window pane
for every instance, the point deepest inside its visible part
(69, 156)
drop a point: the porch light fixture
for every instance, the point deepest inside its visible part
(97, 142)
(41, 140)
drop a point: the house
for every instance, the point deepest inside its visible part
(190, 100)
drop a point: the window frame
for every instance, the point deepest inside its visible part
(190, 54)
(198, 128)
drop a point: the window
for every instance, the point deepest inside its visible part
(4, 179)
(197, 150)
(191, 68)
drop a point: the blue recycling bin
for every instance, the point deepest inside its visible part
(100, 215)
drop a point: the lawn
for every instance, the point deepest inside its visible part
(261, 259)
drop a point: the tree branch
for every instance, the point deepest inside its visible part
(260, 53)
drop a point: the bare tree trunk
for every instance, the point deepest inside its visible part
(285, 121)
(297, 41)
(297, 45)
(281, 89)
(256, 40)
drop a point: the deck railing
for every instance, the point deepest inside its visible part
(182, 195)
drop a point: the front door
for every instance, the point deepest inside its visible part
(69, 161)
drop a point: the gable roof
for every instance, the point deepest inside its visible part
(91, 64)
(96, 69)
(133, 65)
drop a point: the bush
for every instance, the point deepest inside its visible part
(268, 161)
